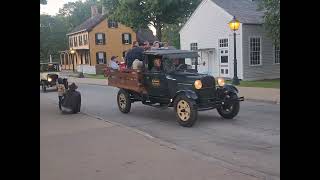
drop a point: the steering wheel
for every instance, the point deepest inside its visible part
(182, 67)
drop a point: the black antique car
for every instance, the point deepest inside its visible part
(176, 84)
(49, 74)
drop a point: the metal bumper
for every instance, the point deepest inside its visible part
(208, 104)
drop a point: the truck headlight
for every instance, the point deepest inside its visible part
(198, 84)
(221, 82)
(49, 79)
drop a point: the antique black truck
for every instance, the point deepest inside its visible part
(174, 84)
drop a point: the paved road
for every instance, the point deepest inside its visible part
(250, 142)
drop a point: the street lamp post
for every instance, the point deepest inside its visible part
(234, 26)
(72, 51)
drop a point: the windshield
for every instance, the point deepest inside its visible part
(49, 67)
(180, 65)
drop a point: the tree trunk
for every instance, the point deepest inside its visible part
(158, 31)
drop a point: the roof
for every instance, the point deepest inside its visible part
(172, 53)
(88, 24)
(146, 35)
(246, 11)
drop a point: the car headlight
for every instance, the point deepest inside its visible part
(49, 79)
(221, 82)
(198, 84)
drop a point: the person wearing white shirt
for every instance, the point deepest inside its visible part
(113, 63)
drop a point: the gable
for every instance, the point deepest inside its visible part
(198, 11)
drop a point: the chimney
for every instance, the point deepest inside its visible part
(94, 11)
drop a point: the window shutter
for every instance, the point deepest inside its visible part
(104, 38)
(130, 42)
(96, 38)
(104, 57)
(97, 57)
(122, 38)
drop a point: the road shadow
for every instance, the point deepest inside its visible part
(168, 116)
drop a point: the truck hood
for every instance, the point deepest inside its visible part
(186, 77)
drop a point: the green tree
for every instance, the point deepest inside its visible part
(141, 13)
(52, 36)
(75, 13)
(272, 18)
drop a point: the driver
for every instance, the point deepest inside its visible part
(156, 65)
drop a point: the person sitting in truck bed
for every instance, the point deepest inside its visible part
(113, 64)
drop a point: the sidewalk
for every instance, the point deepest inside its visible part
(82, 147)
(269, 95)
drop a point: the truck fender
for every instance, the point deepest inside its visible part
(189, 93)
(226, 89)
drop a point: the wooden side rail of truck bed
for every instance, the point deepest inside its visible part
(127, 79)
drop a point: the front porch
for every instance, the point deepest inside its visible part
(79, 61)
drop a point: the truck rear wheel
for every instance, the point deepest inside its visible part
(186, 111)
(123, 100)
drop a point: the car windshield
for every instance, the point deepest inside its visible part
(49, 67)
(180, 65)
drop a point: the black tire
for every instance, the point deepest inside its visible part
(123, 100)
(43, 86)
(182, 105)
(229, 111)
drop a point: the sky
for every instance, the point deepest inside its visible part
(52, 8)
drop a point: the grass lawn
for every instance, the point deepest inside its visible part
(100, 76)
(272, 83)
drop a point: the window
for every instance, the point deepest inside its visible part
(80, 40)
(85, 39)
(223, 42)
(71, 42)
(255, 51)
(75, 41)
(126, 38)
(100, 39)
(194, 61)
(101, 57)
(193, 46)
(277, 54)
(112, 24)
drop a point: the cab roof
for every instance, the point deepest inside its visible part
(172, 53)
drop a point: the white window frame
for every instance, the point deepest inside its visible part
(223, 46)
(100, 33)
(126, 41)
(101, 52)
(260, 51)
(274, 55)
(112, 23)
(193, 46)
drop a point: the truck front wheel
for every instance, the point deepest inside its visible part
(123, 100)
(186, 111)
(230, 110)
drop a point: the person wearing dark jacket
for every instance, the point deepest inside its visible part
(134, 53)
(72, 100)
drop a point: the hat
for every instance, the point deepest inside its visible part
(113, 57)
(73, 86)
